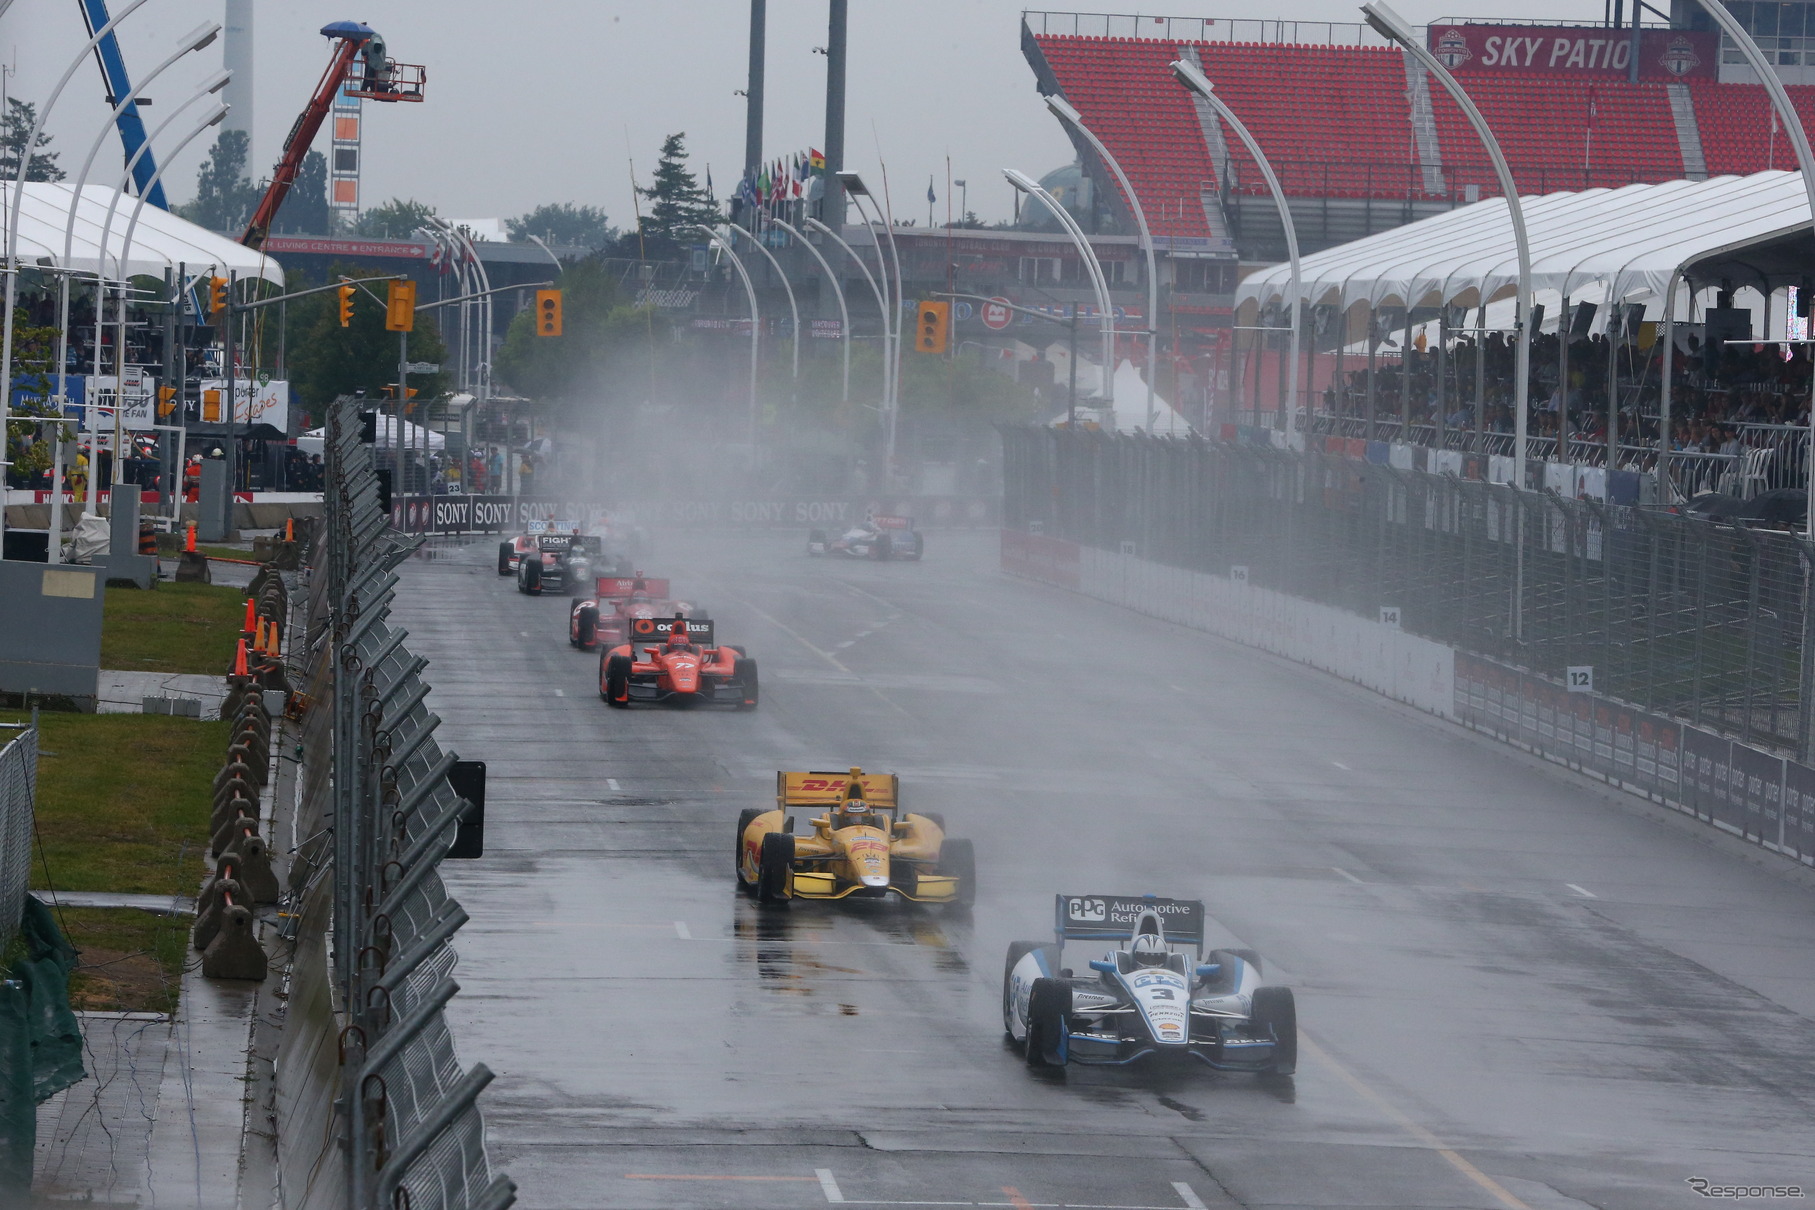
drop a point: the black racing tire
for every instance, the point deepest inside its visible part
(1047, 1007)
(1017, 950)
(617, 681)
(879, 549)
(504, 558)
(915, 548)
(587, 626)
(736, 648)
(958, 860)
(1274, 1009)
(747, 674)
(530, 580)
(737, 853)
(773, 868)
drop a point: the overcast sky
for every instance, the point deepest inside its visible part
(548, 102)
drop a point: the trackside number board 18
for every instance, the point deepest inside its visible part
(1115, 916)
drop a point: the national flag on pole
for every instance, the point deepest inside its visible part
(816, 160)
(930, 199)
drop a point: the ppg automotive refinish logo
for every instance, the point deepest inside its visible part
(1088, 911)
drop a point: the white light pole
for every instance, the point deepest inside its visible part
(11, 267)
(859, 193)
(844, 314)
(1791, 121)
(793, 309)
(755, 325)
(1063, 110)
(1391, 25)
(199, 38)
(1192, 78)
(1027, 185)
(882, 305)
(537, 241)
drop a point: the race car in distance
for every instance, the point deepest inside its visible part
(862, 846)
(511, 552)
(876, 538)
(603, 619)
(562, 564)
(1152, 996)
(674, 660)
(602, 552)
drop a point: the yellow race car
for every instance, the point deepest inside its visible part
(861, 845)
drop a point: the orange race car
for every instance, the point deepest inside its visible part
(675, 660)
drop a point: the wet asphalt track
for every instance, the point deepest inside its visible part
(1514, 991)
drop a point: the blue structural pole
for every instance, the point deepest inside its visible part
(132, 127)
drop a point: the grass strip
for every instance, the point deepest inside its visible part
(130, 961)
(173, 628)
(124, 800)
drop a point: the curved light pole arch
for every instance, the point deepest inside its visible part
(844, 313)
(755, 323)
(793, 307)
(882, 306)
(1026, 184)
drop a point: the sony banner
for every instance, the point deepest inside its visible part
(1584, 52)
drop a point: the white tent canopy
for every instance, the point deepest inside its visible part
(414, 437)
(161, 241)
(1626, 243)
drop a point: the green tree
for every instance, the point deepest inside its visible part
(396, 219)
(225, 196)
(327, 360)
(34, 363)
(678, 205)
(563, 223)
(603, 350)
(305, 210)
(14, 127)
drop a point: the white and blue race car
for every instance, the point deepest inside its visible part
(1155, 996)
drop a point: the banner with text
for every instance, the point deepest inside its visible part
(1584, 52)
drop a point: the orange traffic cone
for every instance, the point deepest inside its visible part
(289, 529)
(271, 645)
(258, 637)
(189, 542)
(251, 614)
(239, 659)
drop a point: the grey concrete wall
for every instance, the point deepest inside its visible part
(50, 628)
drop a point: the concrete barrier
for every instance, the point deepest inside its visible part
(235, 953)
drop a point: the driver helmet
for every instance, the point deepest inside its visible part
(677, 632)
(1149, 950)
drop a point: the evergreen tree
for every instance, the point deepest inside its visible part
(563, 223)
(678, 206)
(225, 196)
(305, 210)
(327, 360)
(14, 127)
(396, 219)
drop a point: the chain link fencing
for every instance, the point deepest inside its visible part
(1695, 620)
(18, 785)
(382, 1115)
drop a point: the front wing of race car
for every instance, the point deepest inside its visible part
(714, 690)
(809, 883)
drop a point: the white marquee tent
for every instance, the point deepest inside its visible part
(161, 241)
(1627, 243)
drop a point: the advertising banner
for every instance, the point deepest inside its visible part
(1705, 759)
(137, 402)
(1582, 52)
(1757, 793)
(1799, 812)
(255, 401)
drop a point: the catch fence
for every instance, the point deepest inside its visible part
(374, 965)
(1690, 619)
(18, 781)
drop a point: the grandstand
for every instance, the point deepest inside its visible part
(1363, 141)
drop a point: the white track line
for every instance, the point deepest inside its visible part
(827, 1185)
(680, 930)
(1189, 1195)
(1349, 876)
(1342, 766)
(1584, 893)
(612, 784)
(560, 693)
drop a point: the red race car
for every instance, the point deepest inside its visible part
(675, 660)
(603, 619)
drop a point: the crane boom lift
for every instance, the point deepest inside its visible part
(119, 84)
(361, 68)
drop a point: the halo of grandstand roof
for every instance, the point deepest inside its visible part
(1629, 242)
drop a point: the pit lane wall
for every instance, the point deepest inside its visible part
(1740, 789)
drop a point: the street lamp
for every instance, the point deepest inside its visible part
(844, 314)
(882, 306)
(755, 325)
(1027, 185)
(1065, 112)
(793, 309)
(1192, 78)
(854, 188)
(1391, 25)
(1791, 121)
(11, 267)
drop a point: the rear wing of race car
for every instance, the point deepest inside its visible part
(1114, 917)
(821, 789)
(623, 586)
(655, 630)
(892, 522)
(556, 543)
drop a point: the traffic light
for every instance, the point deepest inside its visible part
(166, 401)
(548, 312)
(217, 295)
(211, 407)
(400, 307)
(346, 305)
(933, 321)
